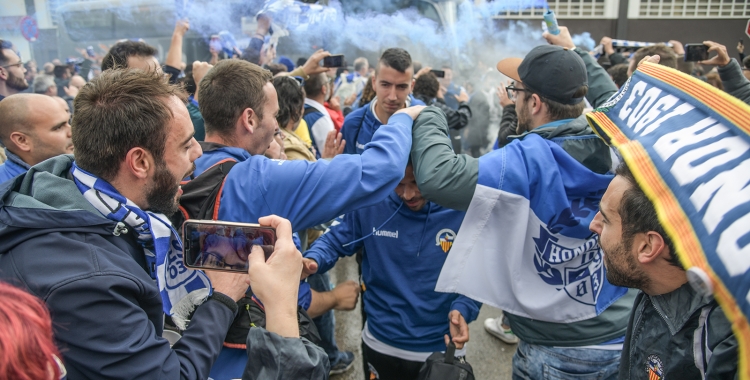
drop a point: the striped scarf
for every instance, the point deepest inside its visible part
(182, 289)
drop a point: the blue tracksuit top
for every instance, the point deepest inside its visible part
(400, 267)
(310, 193)
(360, 126)
(10, 169)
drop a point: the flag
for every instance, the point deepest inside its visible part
(688, 146)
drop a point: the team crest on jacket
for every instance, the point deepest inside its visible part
(578, 270)
(445, 239)
(654, 368)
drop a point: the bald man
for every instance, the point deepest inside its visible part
(34, 128)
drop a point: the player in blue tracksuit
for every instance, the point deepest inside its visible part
(361, 124)
(406, 240)
(392, 83)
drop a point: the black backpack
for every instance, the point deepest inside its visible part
(441, 366)
(201, 198)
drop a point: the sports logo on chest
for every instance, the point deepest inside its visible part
(445, 239)
(577, 269)
(654, 368)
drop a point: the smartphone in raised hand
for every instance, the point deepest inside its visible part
(219, 245)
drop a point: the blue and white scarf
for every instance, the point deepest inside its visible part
(182, 289)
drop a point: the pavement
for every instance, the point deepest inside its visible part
(489, 357)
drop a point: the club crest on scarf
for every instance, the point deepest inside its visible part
(182, 290)
(445, 238)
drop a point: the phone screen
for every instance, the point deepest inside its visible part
(696, 52)
(220, 246)
(334, 61)
(438, 73)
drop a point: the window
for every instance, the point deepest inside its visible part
(694, 8)
(566, 9)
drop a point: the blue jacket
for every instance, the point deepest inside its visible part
(10, 169)
(106, 309)
(360, 126)
(310, 193)
(400, 268)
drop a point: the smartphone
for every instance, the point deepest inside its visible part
(438, 73)
(90, 52)
(219, 245)
(696, 52)
(334, 61)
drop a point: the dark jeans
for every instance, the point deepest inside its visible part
(326, 323)
(385, 367)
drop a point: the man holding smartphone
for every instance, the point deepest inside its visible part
(90, 237)
(306, 193)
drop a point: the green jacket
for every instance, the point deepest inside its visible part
(678, 335)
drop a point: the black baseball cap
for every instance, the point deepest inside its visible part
(551, 71)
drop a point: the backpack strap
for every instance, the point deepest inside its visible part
(211, 206)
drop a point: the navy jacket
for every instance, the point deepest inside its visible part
(400, 267)
(106, 309)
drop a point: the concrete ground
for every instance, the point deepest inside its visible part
(489, 357)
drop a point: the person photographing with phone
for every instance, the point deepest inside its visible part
(90, 237)
(730, 72)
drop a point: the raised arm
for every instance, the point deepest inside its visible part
(444, 177)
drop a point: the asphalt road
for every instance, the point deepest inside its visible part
(489, 357)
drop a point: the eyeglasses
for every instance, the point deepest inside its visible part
(19, 63)
(513, 91)
(300, 80)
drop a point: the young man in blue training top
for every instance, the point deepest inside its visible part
(239, 106)
(406, 240)
(392, 82)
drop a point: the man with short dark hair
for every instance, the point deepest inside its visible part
(12, 71)
(62, 77)
(35, 127)
(529, 205)
(318, 88)
(239, 105)
(673, 332)
(392, 83)
(90, 237)
(427, 89)
(619, 74)
(131, 54)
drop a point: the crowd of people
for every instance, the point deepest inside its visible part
(363, 161)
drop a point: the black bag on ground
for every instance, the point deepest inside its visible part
(441, 366)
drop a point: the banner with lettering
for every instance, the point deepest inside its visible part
(688, 146)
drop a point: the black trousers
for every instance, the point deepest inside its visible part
(385, 367)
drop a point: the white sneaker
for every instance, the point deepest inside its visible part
(494, 326)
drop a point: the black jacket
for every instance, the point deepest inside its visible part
(678, 335)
